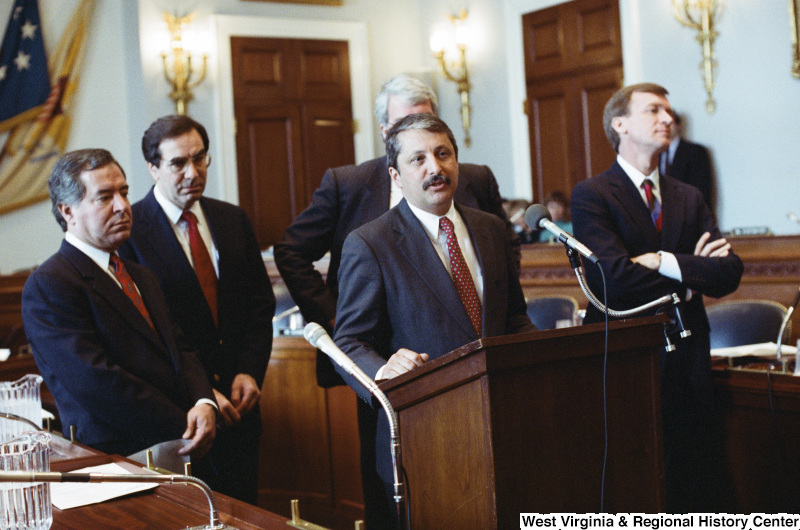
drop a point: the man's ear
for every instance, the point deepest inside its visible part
(153, 169)
(618, 123)
(66, 212)
(395, 177)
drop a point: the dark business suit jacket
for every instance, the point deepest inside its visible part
(692, 164)
(243, 341)
(396, 293)
(610, 217)
(348, 197)
(123, 385)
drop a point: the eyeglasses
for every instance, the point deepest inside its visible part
(180, 164)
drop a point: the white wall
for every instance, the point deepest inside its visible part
(753, 135)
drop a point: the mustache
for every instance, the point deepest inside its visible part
(434, 180)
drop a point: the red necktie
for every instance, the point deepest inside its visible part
(653, 203)
(203, 266)
(461, 275)
(130, 288)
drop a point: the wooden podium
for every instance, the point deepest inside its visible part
(514, 424)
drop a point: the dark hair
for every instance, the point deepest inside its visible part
(168, 127)
(65, 184)
(618, 106)
(425, 121)
(560, 198)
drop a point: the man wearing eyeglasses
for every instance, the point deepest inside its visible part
(208, 262)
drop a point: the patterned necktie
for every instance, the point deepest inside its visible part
(461, 275)
(130, 288)
(202, 263)
(653, 203)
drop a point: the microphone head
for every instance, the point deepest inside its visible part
(313, 332)
(535, 213)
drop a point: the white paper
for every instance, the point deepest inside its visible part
(764, 349)
(68, 495)
(165, 456)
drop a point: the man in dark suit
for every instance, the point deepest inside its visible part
(687, 161)
(426, 277)
(100, 328)
(216, 286)
(349, 197)
(654, 236)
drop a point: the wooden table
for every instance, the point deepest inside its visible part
(167, 506)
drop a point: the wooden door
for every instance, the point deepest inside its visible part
(573, 64)
(293, 121)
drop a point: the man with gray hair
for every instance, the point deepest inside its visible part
(348, 197)
(100, 328)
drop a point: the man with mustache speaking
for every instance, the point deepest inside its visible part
(100, 327)
(426, 277)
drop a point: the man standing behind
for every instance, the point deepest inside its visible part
(348, 197)
(687, 161)
(654, 236)
(426, 277)
(100, 327)
(205, 255)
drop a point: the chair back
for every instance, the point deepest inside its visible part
(743, 322)
(549, 312)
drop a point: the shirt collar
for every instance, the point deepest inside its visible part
(636, 176)
(101, 257)
(431, 221)
(172, 212)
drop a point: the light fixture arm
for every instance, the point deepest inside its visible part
(457, 72)
(181, 67)
(703, 22)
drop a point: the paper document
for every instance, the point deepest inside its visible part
(764, 349)
(165, 456)
(68, 495)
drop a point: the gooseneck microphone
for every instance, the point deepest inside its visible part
(538, 217)
(319, 338)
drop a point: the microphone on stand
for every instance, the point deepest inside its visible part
(538, 217)
(51, 476)
(319, 338)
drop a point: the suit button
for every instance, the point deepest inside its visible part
(216, 378)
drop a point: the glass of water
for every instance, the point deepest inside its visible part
(26, 505)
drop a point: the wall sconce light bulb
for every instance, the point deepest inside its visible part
(454, 36)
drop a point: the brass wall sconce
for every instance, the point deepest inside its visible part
(700, 15)
(181, 62)
(794, 17)
(454, 37)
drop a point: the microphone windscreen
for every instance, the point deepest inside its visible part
(535, 213)
(313, 332)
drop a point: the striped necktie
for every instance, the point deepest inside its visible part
(653, 203)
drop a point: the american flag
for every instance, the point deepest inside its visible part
(24, 82)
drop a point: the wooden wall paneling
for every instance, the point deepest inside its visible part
(348, 496)
(295, 446)
(269, 160)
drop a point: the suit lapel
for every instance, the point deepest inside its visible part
(626, 193)
(103, 286)
(487, 250)
(415, 245)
